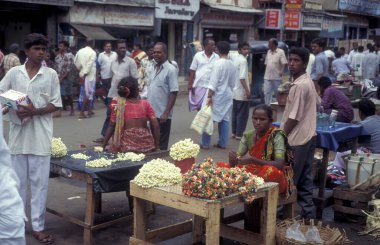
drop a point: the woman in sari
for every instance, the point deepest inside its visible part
(269, 154)
(129, 121)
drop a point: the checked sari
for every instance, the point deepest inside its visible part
(263, 149)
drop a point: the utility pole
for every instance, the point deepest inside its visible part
(282, 27)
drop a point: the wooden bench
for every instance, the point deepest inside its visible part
(206, 223)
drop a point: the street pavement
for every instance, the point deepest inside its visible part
(69, 196)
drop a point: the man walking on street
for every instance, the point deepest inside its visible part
(299, 124)
(146, 70)
(200, 70)
(162, 91)
(85, 63)
(242, 94)
(105, 60)
(275, 62)
(11, 59)
(321, 64)
(30, 143)
(220, 96)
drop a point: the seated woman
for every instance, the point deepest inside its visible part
(269, 154)
(129, 121)
(334, 99)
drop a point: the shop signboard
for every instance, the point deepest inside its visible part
(128, 16)
(176, 9)
(66, 3)
(292, 20)
(366, 7)
(311, 21)
(227, 19)
(272, 18)
(332, 27)
(293, 5)
(313, 5)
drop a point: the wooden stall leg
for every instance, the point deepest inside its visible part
(139, 219)
(269, 213)
(322, 183)
(98, 202)
(213, 224)
(198, 229)
(90, 213)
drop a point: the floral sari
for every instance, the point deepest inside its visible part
(263, 149)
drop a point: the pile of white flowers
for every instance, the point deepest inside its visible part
(129, 156)
(184, 149)
(99, 163)
(80, 156)
(158, 173)
(58, 148)
(98, 149)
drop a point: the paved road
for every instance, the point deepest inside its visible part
(69, 197)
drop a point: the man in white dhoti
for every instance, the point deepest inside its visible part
(357, 63)
(220, 95)
(370, 64)
(200, 70)
(30, 142)
(12, 214)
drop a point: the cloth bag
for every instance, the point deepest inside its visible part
(202, 122)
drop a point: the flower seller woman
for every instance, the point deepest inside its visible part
(129, 121)
(269, 154)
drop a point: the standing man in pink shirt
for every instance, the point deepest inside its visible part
(299, 123)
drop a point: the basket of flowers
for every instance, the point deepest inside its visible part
(184, 153)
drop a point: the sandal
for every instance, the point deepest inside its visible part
(82, 117)
(43, 237)
(100, 140)
(219, 146)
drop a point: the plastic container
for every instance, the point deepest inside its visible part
(360, 170)
(185, 164)
(332, 119)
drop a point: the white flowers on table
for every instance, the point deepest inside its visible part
(80, 156)
(58, 148)
(98, 149)
(184, 149)
(99, 163)
(129, 156)
(158, 173)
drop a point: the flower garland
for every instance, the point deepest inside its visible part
(99, 163)
(158, 173)
(129, 156)
(184, 149)
(80, 156)
(205, 180)
(58, 148)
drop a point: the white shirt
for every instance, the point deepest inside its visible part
(241, 66)
(351, 55)
(357, 63)
(104, 61)
(274, 61)
(12, 213)
(33, 137)
(85, 62)
(222, 82)
(202, 65)
(127, 67)
(310, 64)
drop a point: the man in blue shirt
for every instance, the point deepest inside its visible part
(321, 65)
(340, 65)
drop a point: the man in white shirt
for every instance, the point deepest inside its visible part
(200, 70)
(275, 62)
(357, 63)
(30, 142)
(85, 63)
(353, 51)
(104, 60)
(242, 94)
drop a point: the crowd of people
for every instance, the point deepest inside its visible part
(140, 90)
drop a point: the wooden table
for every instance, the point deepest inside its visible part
(93, 197)
(206, 216)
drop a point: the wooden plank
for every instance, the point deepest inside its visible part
(135, 241)
(358, 196)
(68, 218)
(213, 223)
(233, 218)
(112, 222)
(269, 216)
(139, 218)
(240, 235)
(348, 210)
(198, 229)
(170, 231)
(225, 202)
(90, 212)
(173, 200)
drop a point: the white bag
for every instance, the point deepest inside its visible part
(202, 122)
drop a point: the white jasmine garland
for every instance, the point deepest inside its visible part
(98, 149)
(158, 173)
(129, 156)
(184, 149)
(80, 156)
(58, 148)
(99, 163)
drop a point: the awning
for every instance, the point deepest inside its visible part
(93, 32)
(234, 8)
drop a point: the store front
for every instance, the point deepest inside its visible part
(310, 27)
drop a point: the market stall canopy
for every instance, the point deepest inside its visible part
(233, 8)
(93, 32)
